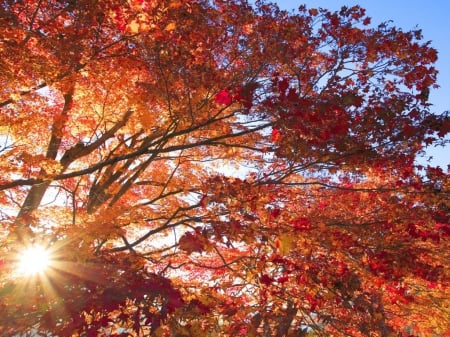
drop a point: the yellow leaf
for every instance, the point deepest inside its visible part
(286, 241)
(15, 97)
(133, 27)
(171, 26)
(175, 5)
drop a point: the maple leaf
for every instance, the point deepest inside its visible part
(266, 279)
(275, 213)
(223, 97)
(120, 18)
(192, 242)
(301, 223)
(275, 135)
(286, 243)
(283, 85)
(170, 27)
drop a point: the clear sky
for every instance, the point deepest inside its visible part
(431, 16)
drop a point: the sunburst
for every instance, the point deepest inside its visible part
(33, 260)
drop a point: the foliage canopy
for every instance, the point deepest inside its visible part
(211, 168)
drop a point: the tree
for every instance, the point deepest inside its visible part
(213, 168)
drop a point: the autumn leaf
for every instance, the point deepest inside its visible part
(301, 223)
(276, 135)
(223, 97)
(266, 280)
(286, 243)
(170, 26)
(275, 213)
(191, 242)
(283, 85)
(313, 12)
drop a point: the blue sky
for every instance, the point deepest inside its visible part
(431, 16)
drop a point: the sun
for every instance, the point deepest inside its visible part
(33, 260)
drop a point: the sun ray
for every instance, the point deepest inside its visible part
(33, 260)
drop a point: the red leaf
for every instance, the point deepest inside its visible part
(120, 19)
(199, 306)
(292, 95)
(276, 135)
(275, 213)
(313, 302)
(283, 85)
(282, 279)
(366, 21)
(223, 97)
(191, 242)
(313, 12)
(266, 279)
(174, 301)
(301, 224)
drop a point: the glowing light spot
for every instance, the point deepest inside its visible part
(33, 260)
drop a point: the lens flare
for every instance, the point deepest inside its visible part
(33, 260)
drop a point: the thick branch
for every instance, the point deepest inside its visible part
(37, 192)
(134, 154)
